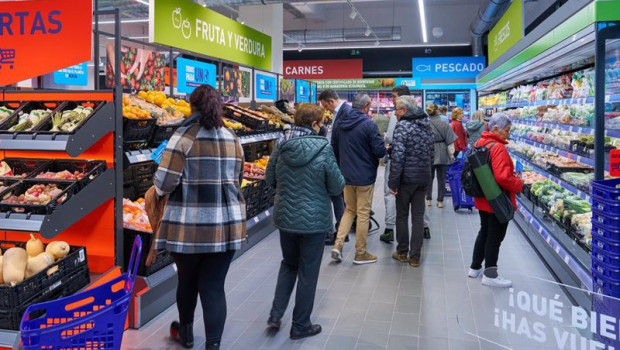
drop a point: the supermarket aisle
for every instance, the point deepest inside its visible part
(386, 305)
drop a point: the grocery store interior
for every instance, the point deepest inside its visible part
(93, 91)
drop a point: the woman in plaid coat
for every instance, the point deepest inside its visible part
(204, 220)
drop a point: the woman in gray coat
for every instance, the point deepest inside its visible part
(444, 154)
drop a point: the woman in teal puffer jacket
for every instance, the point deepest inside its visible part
(304, 173)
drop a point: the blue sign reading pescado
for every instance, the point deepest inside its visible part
(191, 74)
(447, 67)
(303, 91)
(74, 75)
(265, 87)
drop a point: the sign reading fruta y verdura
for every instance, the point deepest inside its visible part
(189, 26)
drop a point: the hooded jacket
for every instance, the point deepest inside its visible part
(358, 147)
(413, 149)
(304, 173)
(474, 130)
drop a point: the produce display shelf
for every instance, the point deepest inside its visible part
(258, 218)
(567, 101)
(575, 257)
(564, 184)
(75, 208)
(566, 127)
(90, 132)
(260, 137)
(560, 152)
(139, 156)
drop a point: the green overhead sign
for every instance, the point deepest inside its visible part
(192, 27)
(507, 32)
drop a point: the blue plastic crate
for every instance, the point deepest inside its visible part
(606, 205)
(606, 189)
(611, 234)
(605, 285)
(601, 255)
(608, 247)
(604, 218)
(606, 271)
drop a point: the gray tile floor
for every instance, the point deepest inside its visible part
(386, 305)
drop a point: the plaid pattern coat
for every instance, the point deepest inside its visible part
(202, 170)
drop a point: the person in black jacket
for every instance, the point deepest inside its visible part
(358, 148)
(410, 175)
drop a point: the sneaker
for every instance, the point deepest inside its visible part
(498, 282)
(400, 257)
(387, 236)
(414, 262)
(475, 273)
(429, 202)
(365, 258)
(427, 233)
(439, 205)
(337, 253)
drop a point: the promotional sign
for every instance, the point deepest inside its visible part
(191, 74)
(323, 69)
(356, 84)
(237, 82)
(614, 162)
(507, 32)
(140, 69)
(74, 75)
(287, 90)
(408, 82)
(314, 95)
(265, 87)
(447, 67)
(189, 26)
(303, 91)
(61, 30)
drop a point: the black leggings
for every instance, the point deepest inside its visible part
(489, 239)
(204, 274)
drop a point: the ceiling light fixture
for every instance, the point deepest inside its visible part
(369, 46)
(138, 37)
(368, 31)
(353, 14)
(423, 20)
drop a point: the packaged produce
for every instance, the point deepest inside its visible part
(14, 264)
(253, 172)
(37, 194)
(134, 216)
(28, 121)
(61, 175)
(5, 113)
(68, 121)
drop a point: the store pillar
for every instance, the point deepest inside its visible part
(267, 19)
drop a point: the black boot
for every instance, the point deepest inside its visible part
(427, 233)
(183, 334)
(214, 346)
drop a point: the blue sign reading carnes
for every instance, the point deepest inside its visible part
(447, 67)
(191, 74)
(303, 91)
(265, 87)
(74, 75)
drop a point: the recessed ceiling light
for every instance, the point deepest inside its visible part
(423, 20)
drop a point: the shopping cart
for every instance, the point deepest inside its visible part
(7, 56)
(93, 319)
(459, 198)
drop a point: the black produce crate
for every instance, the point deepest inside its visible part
(137, 131)
(10, 318)
(46, 125)
(252, 194)
(8, 184)
(142, 186)
(24, 166)
(129, 192)
(237, 115)
(41, 283)
(68, 190)
(162, 133)
(558, 171)
(16, 106)
(90, 168)
(163, 257)
(144, 170)
(53, 106)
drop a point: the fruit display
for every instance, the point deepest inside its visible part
(273, 112)
(232, 124)
(37, 194)
(61, 175)
(262, 162)
(28, 121)
(5, 113)
(159, 98)
(18, 264)
(163, 115)
(253, 172)
(69, 120)
(134, 216)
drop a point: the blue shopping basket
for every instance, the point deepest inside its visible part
(93, 319)
(459, 198)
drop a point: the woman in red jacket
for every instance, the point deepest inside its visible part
(459, 130)
(492, 232)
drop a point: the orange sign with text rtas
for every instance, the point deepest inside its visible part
(40, 36)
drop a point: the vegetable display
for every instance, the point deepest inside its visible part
(18, 264)
(253, 172)
(6, 171)
(14, 263)
(5, 113)
(68, 121)
(28, 121)
(37, 194)
(61, 175)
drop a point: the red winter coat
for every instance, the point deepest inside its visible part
(503, 170)
(459, 130)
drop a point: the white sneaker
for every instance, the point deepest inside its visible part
(498, 282)
(475, 273)
(337, 255)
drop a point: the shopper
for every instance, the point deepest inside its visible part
(475, 126)
(412, 160)
(204, 220)
(304, 172)
(443, 113)
(444, 139)
(358, 148)
(330, 100)
(492, 232)
(459, 130)
(388, 198)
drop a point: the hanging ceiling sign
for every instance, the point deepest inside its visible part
(323, 69)
(61, 30)
(189, 26)
(507, 32)
(467, 67)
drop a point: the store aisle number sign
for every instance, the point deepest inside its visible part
(61, 30)
(189, 26)
(507, 32)
(303, 91)
(75, 75)
(191, 74)
(614, 162)
(447, 68)
(265, 87)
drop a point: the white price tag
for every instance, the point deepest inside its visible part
(141, 158)
(54, 286)
(81, 256)
(267, 213)
(566, 259)
(256, 220)
(548, 239)
(607, 98)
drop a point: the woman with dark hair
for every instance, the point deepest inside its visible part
(204, 220)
